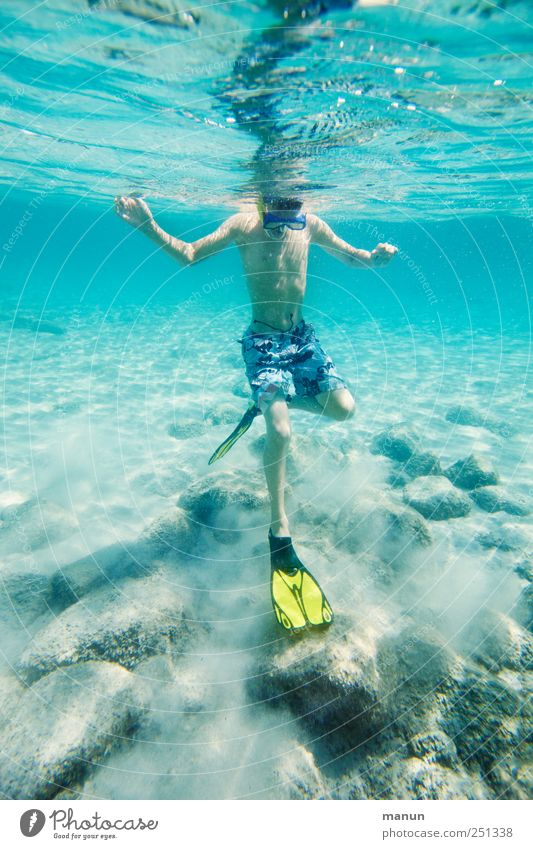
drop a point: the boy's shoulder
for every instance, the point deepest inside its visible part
(244, 223)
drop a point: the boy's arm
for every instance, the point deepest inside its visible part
(137, 213)
(323, 235)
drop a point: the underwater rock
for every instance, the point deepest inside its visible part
(524, 569)
(433, 745)
(299, 777)
(465, 416)
(185, 429)
(490, 723)
(422, 463)
(377, 521)
(420, 670)
(486, 717)
(395, 442)
(11, 690)
(503, 538)
(497, 642)
(24, 596)
(436, 498)
(65, 724)
(472, 472)
(207, 497)
(33, 524)
(225, 414)
(392, 777)
(494, 499)
(329, 681)
(474, 418)
(173, 533)
(308, 449)
(124, 624)
(453, 724)
(103, 568)
(401, 445)
(523, 608)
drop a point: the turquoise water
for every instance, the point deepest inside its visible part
(121, 372)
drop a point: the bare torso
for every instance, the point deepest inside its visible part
(275, 270)
(275, 263)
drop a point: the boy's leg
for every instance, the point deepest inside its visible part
(278, 434)
(337, 404)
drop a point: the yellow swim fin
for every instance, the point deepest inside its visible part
(298, 600)
(246, 421)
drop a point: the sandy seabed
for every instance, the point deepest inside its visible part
(112, 523)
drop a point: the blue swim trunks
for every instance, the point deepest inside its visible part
(293, 362)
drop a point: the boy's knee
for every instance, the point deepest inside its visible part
(349, 408)
(344, 409)
(281, 431)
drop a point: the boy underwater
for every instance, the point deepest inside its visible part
(285, 363)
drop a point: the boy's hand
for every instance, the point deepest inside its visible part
(135, 211)
(382, 254)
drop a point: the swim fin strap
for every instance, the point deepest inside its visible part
(246, 421)
(297, 598)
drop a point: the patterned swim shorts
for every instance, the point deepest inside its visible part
(292, 362)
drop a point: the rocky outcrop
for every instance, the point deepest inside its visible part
(175, 532)
(104, 568)
(414, 718)
(523, 608)
(472, 472)
(420, 777)
(64, 725)
(171, 534)
(401, 445)
(422, 463)
(490, 722)
(212, 503)
(120, 624)
(298, 776)
(524, 569)
(377, 522)
(436, 498)
(185, 429)
(330, 683)
(207, 497)
(24, 596)
(503, 537)
(396, 442)
(498, 642)
(34, 523)
(495, 499)
(470, 417)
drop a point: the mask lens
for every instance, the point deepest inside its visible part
(274, 221)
